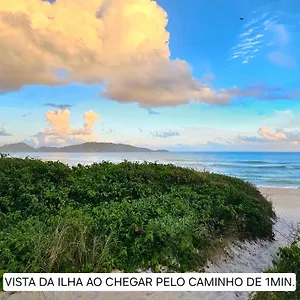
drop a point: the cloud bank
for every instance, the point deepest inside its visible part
(119, 44)
(267, 134)
(272, 135)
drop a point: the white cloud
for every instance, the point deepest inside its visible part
(272, 135)
(250, 40)
(209, 138)
(120, 44)
(246, 33)
(60, 131)
(279, 135)
(265, 29)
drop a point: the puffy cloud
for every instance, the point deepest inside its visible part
(120, 44)
(161, 82)
(269, 138)
(3, 132)
(272, 135)
(60, 131)
(269, 134)
(91, 119)
(91, 42)
(59, 121)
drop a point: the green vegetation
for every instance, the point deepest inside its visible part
(55, 218)
(288, 261)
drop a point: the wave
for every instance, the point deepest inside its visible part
(263, 162)
(253, 162)
(277, 166)
(284, 181)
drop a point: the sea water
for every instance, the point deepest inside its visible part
(273, 169)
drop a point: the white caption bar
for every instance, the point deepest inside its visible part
(149, 282)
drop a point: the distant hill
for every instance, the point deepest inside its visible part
(17, 147)
(86, 147)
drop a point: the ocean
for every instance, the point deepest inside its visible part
(269, 169)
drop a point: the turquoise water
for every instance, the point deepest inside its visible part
(261, 168)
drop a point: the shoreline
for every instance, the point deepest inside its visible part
(277, 187)
(48, 156)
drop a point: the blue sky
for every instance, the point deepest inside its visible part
(219, 83)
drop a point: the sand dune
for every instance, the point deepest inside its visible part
(241, 257)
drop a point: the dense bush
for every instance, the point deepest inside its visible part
(288, 261)
(55, 218)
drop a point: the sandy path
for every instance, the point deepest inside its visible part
(247, 257)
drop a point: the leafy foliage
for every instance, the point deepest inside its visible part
(55, 218)
(288, 261)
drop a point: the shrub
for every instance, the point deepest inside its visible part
(288, 261)
(55, 218)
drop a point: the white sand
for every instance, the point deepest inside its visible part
(285, 201)
(246, 257)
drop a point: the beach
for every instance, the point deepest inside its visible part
(155, 139)
(285, 201)
(240, 257)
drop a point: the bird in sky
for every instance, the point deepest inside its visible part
(241, 18)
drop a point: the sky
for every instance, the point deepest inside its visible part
(178, 75)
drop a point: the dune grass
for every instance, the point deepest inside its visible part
(55, 218)
(287, 261)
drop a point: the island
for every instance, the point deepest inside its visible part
(81, 148)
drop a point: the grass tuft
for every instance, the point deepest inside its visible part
(287, 261)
